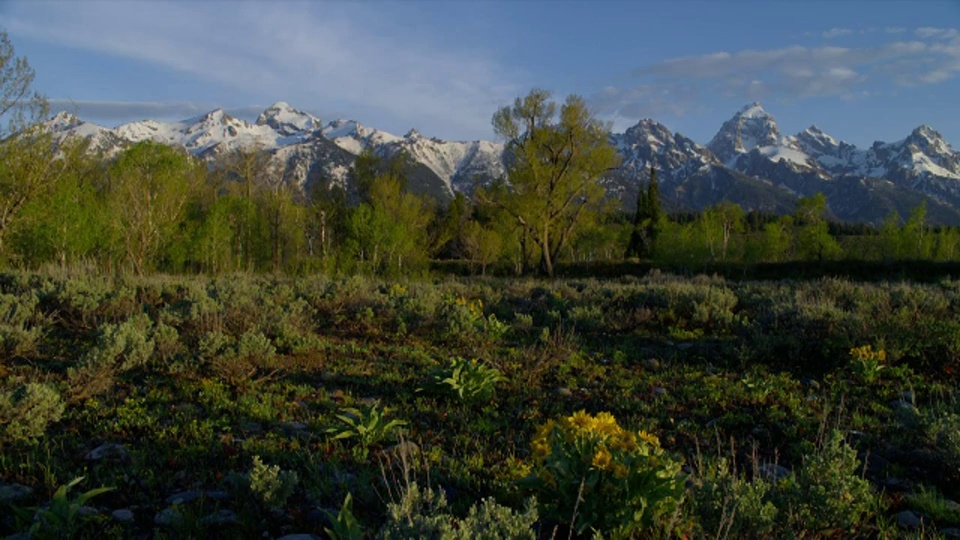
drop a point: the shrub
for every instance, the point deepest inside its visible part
(729, 505)
(596, 476)
(270, 484)
(470, 380)
(26, 412)
(829, 492)
(423, 513)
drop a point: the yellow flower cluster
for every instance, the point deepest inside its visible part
(607, 437)
(397, 290)
(475, 307)
(867, 354)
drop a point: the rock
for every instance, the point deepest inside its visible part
(220, 518)
(652, 363)
(14, 493)
(251, 428)
(908, 396)
(123, 515)
(901, 404)
(301, 536)
(112, 451)
(659, 391)
(950, 532)
(188, 496)
(907, 520)
(369, 401)
(87, 511)
(169, 517)
(896, 484)
(685, 346)
(876, 466)
(772, 471)
(564, 392)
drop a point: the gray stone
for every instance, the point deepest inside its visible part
(950, 532)
(772, 471)
(189, 496)
(685, 346)
(169, 517)
(111, 451)
(14, 493)
(220, 518)
(564, 392)
(87, 511)
(293, 426)
(907, 520)
(659, 391)
(301, 536)
(123, 515)
(908, 396)
(901, 405)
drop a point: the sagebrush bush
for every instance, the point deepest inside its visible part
(25, 413)
(270, 484)
(423, 513)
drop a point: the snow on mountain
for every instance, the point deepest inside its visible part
(833, 156)
(750, 128)
(205, 135)
(288, 121)
(102, 140)
(748, 161)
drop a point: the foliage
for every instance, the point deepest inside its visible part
(597, 476)
(345, 525)
(867, 363)
(556, 161)
(471, 381)
(368, 427)
(62, 517)
(423, 513)
(270, 484)
(26, 412)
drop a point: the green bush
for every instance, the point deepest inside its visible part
(26, 412)
(270, 484)
(423, 513)
(469, 380)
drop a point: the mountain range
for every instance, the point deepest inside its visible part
(748, 161)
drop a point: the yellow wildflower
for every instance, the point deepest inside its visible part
(606, 424)
(620, 471)
(602, 459)
(648, 438)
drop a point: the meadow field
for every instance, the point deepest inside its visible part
(633, 407)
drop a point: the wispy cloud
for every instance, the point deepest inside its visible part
(788, 74)
(312, 54)
(837, 32)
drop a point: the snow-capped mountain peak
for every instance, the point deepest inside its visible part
(752, 127)
(287, 120)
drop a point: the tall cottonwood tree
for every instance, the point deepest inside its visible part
(150, 184)
(27, 164)
(557, 157)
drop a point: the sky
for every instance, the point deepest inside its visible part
(861, 71)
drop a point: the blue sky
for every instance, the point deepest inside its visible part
(861, 71)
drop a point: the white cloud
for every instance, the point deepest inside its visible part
(837, 32)
(310, 54)
(789, 73)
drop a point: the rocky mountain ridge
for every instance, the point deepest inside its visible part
(748, 161)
